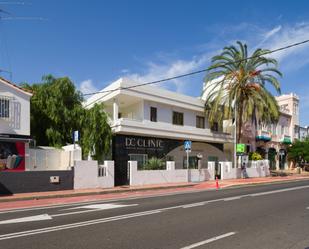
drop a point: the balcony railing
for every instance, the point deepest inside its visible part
(263, 135)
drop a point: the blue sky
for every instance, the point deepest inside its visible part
(96, 42)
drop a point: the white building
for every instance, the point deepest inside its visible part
(14, 126)
(303, 132)
(149, 121)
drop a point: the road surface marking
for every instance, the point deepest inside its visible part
(194, 205)
(91, 222)
(198, 204)
(74, 225)
(278, 191)
(102, 206)
(93, 208)
(5, 211)
(27, 219)
(235, 198)
(209, 240)
(307, 207)
(51, 206)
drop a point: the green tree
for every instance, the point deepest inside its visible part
(96, 133)
(234, 77)
(57, 111)
(299, 151)
(56, 108)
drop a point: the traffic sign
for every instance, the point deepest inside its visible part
(75, 136)
(188, 145)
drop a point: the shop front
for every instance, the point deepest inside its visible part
(13, 153)
(142, 149)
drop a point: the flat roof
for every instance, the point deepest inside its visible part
(147, 92)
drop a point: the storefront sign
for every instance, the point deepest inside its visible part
(132, 142)
(240, 148)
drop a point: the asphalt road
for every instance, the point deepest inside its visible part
(265, 216)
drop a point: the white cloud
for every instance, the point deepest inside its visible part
(124, 71)
(161, 71)
(168, 69)
(292, 58)
(169, 64)
(271, 33)
(87, 86)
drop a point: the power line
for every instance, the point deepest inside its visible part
(197, 72)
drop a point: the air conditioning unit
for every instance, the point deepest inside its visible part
(54, 179)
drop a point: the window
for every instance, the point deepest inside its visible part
(295, 108)
(140, 158)
(153, 114)
(215, 126)
(200, 122)
(4, 108)
(177, 118)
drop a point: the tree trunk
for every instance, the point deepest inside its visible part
(240, 108)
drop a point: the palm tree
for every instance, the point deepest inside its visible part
(236, 79)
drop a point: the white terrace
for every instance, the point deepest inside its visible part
(176, 116)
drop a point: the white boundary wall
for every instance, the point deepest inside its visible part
(170, 175)
(88, 174)
(255, 169)
(50, 158)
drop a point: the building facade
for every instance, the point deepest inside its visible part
(272, 141)
(14, 126)
(303, 132)
(150, 122)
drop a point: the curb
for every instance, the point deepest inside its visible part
(103, 192)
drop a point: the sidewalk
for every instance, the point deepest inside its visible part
(38, 199)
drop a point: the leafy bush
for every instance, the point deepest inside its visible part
(255, 156)
(298, 152)
(154, 164)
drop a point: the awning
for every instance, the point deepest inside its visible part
(286, 140)
(14, 137)
(263, 138)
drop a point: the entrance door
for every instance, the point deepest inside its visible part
(272, 158)
(121, 174)
(282, 159)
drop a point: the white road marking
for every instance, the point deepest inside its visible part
(102, 206)
(51, 206)
(278, 191)
(194, 205)
(74, 225)
(209, 240)
(104, 201)
(307, 207)
(94, 208)
(234, 198)
(27, 219)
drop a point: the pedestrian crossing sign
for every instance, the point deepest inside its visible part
(187, 145)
